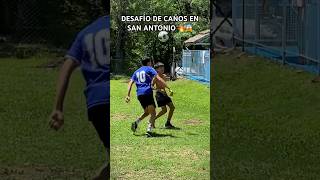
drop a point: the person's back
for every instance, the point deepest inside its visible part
(91, 51)
(143, 78)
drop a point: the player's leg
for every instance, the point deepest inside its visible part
(160, 98)
(152, 111)
(135, 124)
(171, 110)
(170, 114)
(144, 115)
(144, 102)
(162, 112)
(100, 117)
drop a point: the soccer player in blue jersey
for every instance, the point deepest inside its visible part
(91, 52)
(144, 77)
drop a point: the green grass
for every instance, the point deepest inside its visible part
(30, 150)
(26, 101)
(266, 120)
(178, 154)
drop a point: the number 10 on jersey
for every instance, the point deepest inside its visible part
(141, 76)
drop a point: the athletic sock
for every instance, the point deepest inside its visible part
(149, 129)
(138, 121)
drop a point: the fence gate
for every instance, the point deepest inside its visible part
(284, 30)
(196, 65)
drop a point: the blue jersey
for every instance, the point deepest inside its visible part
(143, 79)
(91, 49)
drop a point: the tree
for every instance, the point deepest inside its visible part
(131, 47)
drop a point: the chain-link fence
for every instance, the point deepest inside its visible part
(23, 26)
(196, 65)
(38, 24)
(23, 22)
(284, 30)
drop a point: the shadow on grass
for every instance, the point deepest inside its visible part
(191, 134)
(157, 135)
(179, 129)
(175, 128)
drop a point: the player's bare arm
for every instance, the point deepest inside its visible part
(158, 79)
(56, 118)
(153, 84)
(129, 91)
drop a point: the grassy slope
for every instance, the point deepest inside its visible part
(179, 154)
(266, 121)
(26, 98)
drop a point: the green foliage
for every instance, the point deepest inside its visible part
(65, 18)
(138, 44)
(51, 22)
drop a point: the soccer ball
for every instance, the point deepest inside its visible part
(163, 36)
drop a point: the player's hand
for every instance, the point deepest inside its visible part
(127, 99)
(56, 120)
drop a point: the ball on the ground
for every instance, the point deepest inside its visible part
(163, 36)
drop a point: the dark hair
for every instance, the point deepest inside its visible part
(106, 6)
(145, 61)
(158, 64)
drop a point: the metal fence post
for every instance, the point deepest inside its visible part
(257, 24)
(243, 14)
(318, 36)
(284, 33)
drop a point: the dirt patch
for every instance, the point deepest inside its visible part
(119, 117)
(40, 173)
(52, 63)
(192, 122)
(189, 154)
(126, 81)
(316, 80)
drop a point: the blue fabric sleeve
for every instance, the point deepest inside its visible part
(134, 77)
(152, 72)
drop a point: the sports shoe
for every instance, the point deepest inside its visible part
(149, 134)
(168, 125)
(104, 173)
(134, 126)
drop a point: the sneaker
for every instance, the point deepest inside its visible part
(149, 134)
(104, 173)
(134, 126)
(168, 125)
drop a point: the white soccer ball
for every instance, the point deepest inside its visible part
(163, 36)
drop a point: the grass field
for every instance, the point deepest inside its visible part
(28, 148)
(266, 120)
(175, 154)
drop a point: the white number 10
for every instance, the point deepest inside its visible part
(98, 47)
(141, 76)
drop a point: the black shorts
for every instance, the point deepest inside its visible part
(162, 99)
(146, 100)
(99, 115)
